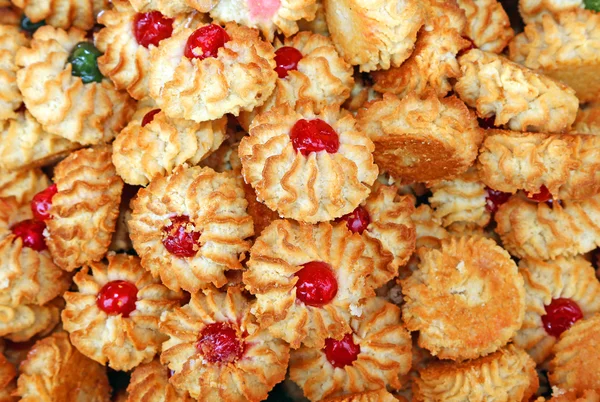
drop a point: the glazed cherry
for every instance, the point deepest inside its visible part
(180, 238)
(341, 353)
(316, 284)
(205, 42)
(314, 136)
(219, 343)
(542, 196)
(149, 116)
(150, 28)
(117, 297)
(494, 199)
(357, 220)
(287, 59)
(560, 315)
(41, 203)
(31, 233)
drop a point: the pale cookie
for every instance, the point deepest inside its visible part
(22, 184)
(172, 8)
(63, 13)
(488, 24)
(11, 38)
(21, 323)
(534, 10)
(588, 120)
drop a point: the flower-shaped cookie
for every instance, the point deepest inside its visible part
(471, 282)
(488, 25)
(63, 13)
(534, 10)
(217, 352)
(22, 184)
(21, 323)
(150, 383)
(11, 38)
(421, 139)
(84, 211)
(203, 74)
(153, 144)
(374, 35)
(191, 226)
(64, 90)
(172, 8)
(558, 293)
(114, 314)
(518, 97)
(373, 355)
(8, 380)
(55, 371)
(308, 166)
(588, 119)
(310, 279)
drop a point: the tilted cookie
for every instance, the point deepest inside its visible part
(533, 10)
(374, 354)
(588, 119)
(63, 13)
(205, 73)
(22, 184)
(488, 24)
(421, 139)
(172, 8)
(309, 280)
(150, 383)
(558, 293)
(308, 166)
(565, 47)
(462, 285)
(567, 165)
(191, 227)
(8, 380)
(518, 97)
(11, 38)
(374, 34)
(21, 323)
(216, 350)
(64, 90)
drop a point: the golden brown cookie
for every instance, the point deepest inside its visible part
(560, 395)
(150, 383)
(21, 323)
(63, 13)
(8, 380)
(318, 24)
(362, 92)
(172, 8)
(488, 24)
(22, 184)
(588, 119)
(381, 395)
(534, 10)
(11, 38)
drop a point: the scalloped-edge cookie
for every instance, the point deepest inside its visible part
(462, 285)
(421, 139)
(63, 13)
(21, 323)
(172, 8)
(567, 165)
(11, 38)
(302, 182)
(284, 260)
(240, 77)
(588, 119)
(565, 47)
(150, 383)
(191, 227)
(84, 211)
(488, 24)
(55, 371)
(86, 113)
(380, 395)
(381, 352)
(376, 34)
(506, 376)
(246, 369)
(144, 150)
(534, 10)
(538, 230)
(516, 96)
(268, 16)
(564, 278)
(8, 380)
(22, 184)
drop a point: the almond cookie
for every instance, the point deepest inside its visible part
(565, 47)
(55, 371)
(172, 8)
(308, 166)
(488, 24)
(460, 286)
(374, 35)
(150, 383)
(421, 139)
(11, 38)
(21, 323)
(519, 98)
(558, 293)
(64, 90)
(85, 208)
(588, 119)
(191, 227)
(533, 10)
(506, 376)
(216, 350)
(268, 16)
(373, 355)
(309, 280)
(63, 13)
(153, 144)
(206, 73)
(8, 380)
(22, 184)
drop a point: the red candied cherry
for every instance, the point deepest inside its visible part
(316, 285)
(31, 233)
(560, 315)
(41, 203)
(117, 297)
(205, 42)
(149, 116)
(180, 238)
(219, 343)
(150, 28)
(314, 136)
(357, 220)
(341, 353)
(494, 199)
(287, 59)
(471, 46)
(542, 196)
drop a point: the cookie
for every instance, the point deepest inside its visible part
(534, 10)
(21, 323)
(381, 395)
(22, 184)
(11, 38)
(172, 8)
(63, 13)
(588, 119)
(150, 383)
(488, 24)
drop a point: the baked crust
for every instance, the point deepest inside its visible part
(519, 98)
(8, 380)
(172, 8)
(385, 354)
(421, 139)
(488, 24)
(533, 10)
(84, 212)
(11, 38)
(22, 184)
(150, 383)
(23, 322)
(247, 378)
(63, 13)
(588, 119)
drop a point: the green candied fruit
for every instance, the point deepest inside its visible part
(84, 59)
(593, 5)
(31, 27)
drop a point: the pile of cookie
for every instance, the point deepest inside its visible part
(337, 200)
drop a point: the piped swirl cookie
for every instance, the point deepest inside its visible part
(150, 383)
(534, 10)
(21, 323)
(63, 13)
(11, 38)
(22, 184)
(488, 24)
(172, 8)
